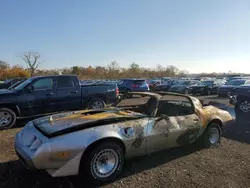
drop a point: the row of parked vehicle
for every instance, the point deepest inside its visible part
(32, 97)
(222, 87)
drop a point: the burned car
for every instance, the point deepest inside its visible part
(94, 143)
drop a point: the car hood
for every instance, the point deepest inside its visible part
(72, 121)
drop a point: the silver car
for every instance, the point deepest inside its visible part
(94, 143)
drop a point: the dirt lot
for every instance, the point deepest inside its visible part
(225, 166)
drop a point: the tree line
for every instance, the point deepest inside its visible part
(113, 70)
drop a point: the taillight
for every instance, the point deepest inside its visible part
(117, 91)
(135, 85)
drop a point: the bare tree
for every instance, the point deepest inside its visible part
(32, 61)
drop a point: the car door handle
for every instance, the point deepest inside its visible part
(50, 94)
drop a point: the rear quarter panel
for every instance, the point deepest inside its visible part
(210, 113)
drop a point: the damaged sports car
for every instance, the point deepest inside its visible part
(94, 143)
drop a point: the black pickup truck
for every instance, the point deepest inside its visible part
(44, 95)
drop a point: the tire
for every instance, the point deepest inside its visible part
(89, 163)
(244, 106)
(7, 118)
(206, 141)
(96, 103)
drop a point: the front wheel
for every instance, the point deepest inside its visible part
(212, 136)
(103, 163)
(244, 106)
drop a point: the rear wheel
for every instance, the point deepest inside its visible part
(96, 103)
(103, 163)
(7, 118)
(212, 136)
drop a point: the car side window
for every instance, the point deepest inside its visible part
(43, 84)
(174, 106)
(64, 82)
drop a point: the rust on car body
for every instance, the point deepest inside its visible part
(159, 121)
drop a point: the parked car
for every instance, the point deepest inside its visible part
(94, 143)
(153, 84)
(132, 84)
(183, 86)
(165, 85)
(6, 84)
(49, 94)
(240, 98)
(207, 87)
(226, 89)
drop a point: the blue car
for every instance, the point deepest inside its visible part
(137, 85)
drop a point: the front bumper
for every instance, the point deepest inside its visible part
(24, 157)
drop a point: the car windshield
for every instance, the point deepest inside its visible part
(183, 82)
(235, 82)
(16, 84)
(207, 83)
(23, 84)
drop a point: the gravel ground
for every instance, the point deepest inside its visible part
(228, 165)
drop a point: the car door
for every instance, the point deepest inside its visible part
(68, 93)
(172, 127)
(39, 97)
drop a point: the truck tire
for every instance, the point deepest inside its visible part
(96, 103)
(7, 118)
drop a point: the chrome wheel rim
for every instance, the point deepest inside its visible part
(245, 106)
(5, 118)
(105, 163)
(214, 136)
(97, 104)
